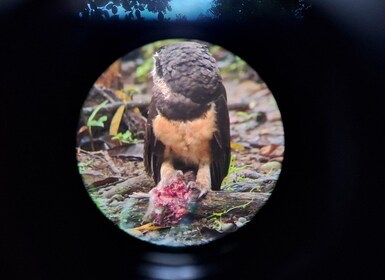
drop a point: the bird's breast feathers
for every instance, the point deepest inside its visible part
(188, 140)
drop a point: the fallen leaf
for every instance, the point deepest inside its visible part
(109, 77)
(149, 227)
(82, 129)
(134, 151)
(236, 146)
(122, 95)
(115, 122)
(106, 181)
(272, 151)
(267, 150)
(278, 152)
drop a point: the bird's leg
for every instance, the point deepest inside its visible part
(203, 181)
(167, 172)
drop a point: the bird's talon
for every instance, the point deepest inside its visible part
(190, 185)
(197, 186)
(202, 193)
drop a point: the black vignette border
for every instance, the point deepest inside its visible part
(315, 68)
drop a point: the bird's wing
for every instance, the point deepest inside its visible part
(153, 149)
(220, 144)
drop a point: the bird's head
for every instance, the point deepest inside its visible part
(188, 69)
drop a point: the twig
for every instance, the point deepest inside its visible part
(93, 154)
(141, 183)
(111, 163)
(92, 172)
(115, 105)
(139, 195)
(238, 107)
(106, 158)
(106, 93)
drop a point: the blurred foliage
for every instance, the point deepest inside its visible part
(109, 9)
(142, 71)
(234, 10)
(238, 66)
(242, 10)
(228, 63)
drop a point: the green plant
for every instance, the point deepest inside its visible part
(82, 165)
(91, 122)
(236, 66)
(216, 218)
(233, 169)
(126, 137)
(144, 70)
(247, 116)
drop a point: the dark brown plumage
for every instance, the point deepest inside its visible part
(188, 122)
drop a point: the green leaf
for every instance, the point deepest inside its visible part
(102, 118)
(99, 122)
(94, 123)
(243, 114)
(125, 137)
(93, 114)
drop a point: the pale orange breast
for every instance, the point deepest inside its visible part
(189, 140)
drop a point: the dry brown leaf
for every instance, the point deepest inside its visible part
(108, 78)
(149, 227)
(278, 152)
(122, 95)
(82, 129)
(272, 151)
(236, 146)
(115, 122)
(104, 182)
(133, 151)
(267, 150)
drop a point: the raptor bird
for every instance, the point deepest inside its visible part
(188, 122)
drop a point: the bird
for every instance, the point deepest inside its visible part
(188, 126)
